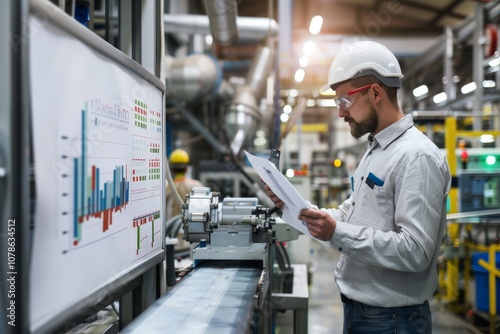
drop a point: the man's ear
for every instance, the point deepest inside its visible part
(376, 93)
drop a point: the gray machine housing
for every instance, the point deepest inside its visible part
(235, 229)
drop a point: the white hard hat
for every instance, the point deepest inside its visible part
(361, 59)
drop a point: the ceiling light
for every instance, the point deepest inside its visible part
(315, 26)
(293, 92)
(287, 109)
(209, 40)
(284, 118)
(470, 87)
(441, 97)
(489, 84)
(485, 139)
(420, 90)
(299, 75)
(290, 173)
(308, 48)
(303, 61)
(325, 103)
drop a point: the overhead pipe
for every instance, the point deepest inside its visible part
(249, 28)
(222, 17)
(193, 77)
(260, 70)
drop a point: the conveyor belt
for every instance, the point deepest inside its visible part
(216, 297)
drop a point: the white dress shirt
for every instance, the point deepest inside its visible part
(390, 229)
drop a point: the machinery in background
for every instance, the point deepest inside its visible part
(479, 191)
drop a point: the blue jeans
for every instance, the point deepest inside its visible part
(365, 319)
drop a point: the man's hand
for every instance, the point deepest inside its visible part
(319, 223)
(276, 200)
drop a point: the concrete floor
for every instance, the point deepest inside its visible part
(325, 307)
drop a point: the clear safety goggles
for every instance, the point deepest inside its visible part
(346, 101)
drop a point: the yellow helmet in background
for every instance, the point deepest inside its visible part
(179, 157)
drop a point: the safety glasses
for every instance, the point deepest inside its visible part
(346, 101)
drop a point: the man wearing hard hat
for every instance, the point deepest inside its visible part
(390, 229)
(179, 163)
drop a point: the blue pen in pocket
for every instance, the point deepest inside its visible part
(372, 181)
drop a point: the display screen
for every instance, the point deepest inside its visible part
(98, 148)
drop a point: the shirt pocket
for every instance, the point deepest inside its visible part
(371, 208)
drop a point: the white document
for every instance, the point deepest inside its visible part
(278, 183)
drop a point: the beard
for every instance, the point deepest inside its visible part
(365, 126)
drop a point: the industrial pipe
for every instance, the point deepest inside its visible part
(249, 28)
(193, 77)
(222, 16)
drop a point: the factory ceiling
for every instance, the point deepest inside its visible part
(381, 17)
(407, 27)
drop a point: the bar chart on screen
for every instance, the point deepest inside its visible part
(99, 152)
(108, 164)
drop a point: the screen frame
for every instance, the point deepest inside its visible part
(103, 296)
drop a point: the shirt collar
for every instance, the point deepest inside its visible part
(389, 134)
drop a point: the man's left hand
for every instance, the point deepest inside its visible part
(319, 223)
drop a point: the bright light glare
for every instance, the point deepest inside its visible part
(420, 90)
(470, 87)
(325, 103)
(284, 117)
(487, 139)
(489, 84)
(494, 62)
(310, 103)
(293, 92)
(303, 61)
(290, 172)
(287, 109)
(441, 97)
(315, 26)
(491, 160)
(209, 40)
(328, 92)
(299, 75)
(260, 141)
(308, 48)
